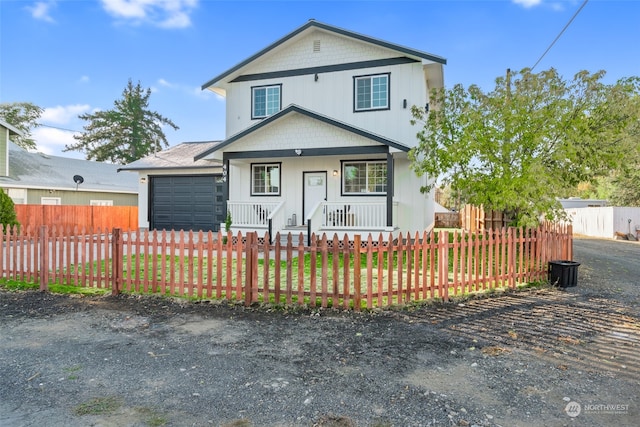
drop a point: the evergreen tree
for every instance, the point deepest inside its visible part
(126, 133)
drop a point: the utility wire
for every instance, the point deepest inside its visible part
(59, 128)
(563, 30)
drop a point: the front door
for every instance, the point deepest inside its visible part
(315, 190)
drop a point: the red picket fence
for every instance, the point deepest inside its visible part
(69, 216)
(330, 272)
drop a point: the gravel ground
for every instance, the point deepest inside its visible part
(528, 358)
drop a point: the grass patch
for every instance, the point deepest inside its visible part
(238, 423)
(99, 406)
(14, 285)
(152, 418)
(69, 289)
(73, 372)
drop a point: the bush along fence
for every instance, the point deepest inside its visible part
(329, 273)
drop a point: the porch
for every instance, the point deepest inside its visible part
(338, 217)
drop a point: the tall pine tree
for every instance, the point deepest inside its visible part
(124, 134)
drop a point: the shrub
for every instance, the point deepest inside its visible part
(7, 212)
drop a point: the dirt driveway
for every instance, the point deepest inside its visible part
(533, 358)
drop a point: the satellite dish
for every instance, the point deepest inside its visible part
(78, 180)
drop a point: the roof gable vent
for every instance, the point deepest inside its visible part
(316, 46)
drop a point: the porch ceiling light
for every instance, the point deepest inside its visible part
(298, 152)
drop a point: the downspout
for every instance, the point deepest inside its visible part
(390, 180)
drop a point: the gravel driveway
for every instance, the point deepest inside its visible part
(531, 358)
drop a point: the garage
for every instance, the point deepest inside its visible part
(186, 202)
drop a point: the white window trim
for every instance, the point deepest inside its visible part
(253, 95)
(57, 201)
(99, 202)
(361, 193)
(265, 165)
(371, 77)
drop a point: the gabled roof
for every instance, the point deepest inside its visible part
(12, 130)
(180, 156)
(315, 24)
(38, 170)
(291, 109)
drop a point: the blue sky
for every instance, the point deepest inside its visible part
(72, 57)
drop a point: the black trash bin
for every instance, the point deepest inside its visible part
(563, 273)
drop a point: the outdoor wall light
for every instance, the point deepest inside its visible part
(335, 172)
(315, 78)
(404, 103)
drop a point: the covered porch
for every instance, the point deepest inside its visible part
(337, 217)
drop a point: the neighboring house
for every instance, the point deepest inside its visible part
(317, 135)
(178, 192)
(41, 179)
(577, 202)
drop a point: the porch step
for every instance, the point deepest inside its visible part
(295, 235)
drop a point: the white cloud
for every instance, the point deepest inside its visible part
(40, 10)
(161, 13)
(163, 82)
(62, 115)
(528, 3)
(52, 141)
(83, 79)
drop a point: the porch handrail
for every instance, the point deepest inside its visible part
(315, 220)
(251, 214)
(276, 220)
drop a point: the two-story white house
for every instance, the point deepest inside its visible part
(317, 135)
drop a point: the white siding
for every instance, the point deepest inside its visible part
(297, 131)
(332, 96)
(414, 213)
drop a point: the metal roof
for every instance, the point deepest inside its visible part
(180, 156)
(38, 170)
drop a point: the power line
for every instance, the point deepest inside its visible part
(563, 30)
(59, 128)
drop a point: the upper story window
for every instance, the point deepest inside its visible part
(364, 177)
(371, 92)
(265, 179)
(265, 100)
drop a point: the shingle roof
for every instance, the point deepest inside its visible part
(37, 170)
(316, 24)
(180, 156)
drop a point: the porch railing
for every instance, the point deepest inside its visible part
(251, 214)
(355, 215)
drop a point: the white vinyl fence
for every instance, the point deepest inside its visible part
(605, 221)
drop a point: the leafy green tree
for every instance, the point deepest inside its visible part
(532, 139)
(24, 117)
(124, 134)
(8, 217)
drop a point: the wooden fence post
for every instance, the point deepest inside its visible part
(249, 267)
(357, 276)
(116, 261)
(43, 248)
